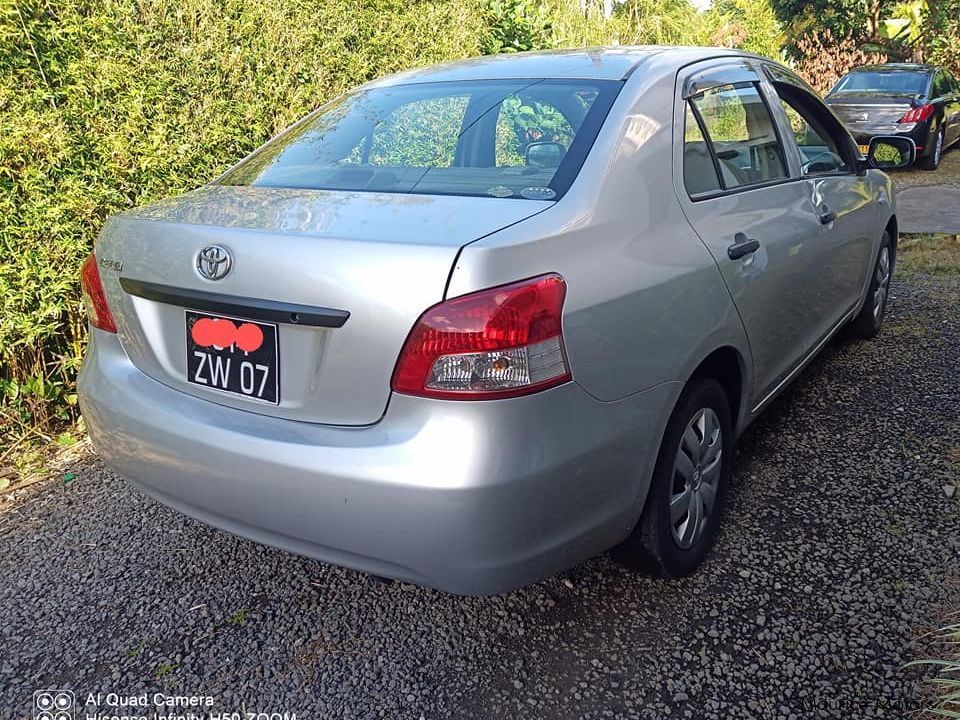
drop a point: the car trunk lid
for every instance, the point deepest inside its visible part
(872, 108)
(342, 277)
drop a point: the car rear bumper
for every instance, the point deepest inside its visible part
(468, 497)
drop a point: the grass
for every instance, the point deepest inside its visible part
(136, 651)
(947, 681)
(909, 327)
(165, 674)
(37, 456)
(929, 254)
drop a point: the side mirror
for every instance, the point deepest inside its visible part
(544, 154)
(890, 152)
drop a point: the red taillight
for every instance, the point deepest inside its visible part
(917, 114)
(496, 343)
(98, 312)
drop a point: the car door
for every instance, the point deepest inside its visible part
(840, 198)
(940, 97)
(749, 208)
(951, 110)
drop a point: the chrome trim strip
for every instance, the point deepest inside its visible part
(244, 307)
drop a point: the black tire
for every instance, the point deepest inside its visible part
(932, 161)
(652, 547)
(869, 320)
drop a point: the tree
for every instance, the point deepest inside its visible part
(941, 34)
(857, 19)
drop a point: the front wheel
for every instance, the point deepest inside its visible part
(682, 510)
(868, 323)
(932, 161)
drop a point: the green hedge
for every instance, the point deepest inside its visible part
(109, 104)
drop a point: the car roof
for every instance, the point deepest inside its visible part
(599, 63)
(894, 67)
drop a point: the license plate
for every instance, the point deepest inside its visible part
(864, 149)
(232, 355)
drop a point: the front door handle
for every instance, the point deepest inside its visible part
(827, 217)
(742, 246)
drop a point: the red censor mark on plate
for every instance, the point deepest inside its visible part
(222, 333)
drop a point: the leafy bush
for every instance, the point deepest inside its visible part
(824, 59)
(661, 22)
(106, 104)
(515, 26)
(747, 24)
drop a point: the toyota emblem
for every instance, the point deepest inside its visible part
(214, 262)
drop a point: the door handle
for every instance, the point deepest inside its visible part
(827, 217)
(742, 246)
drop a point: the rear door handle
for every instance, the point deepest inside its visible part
(742, 246)
(827, 217)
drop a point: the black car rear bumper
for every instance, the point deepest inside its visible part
(919, 133)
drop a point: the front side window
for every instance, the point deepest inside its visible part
(821, 149)
(954, 86)
(741, 135)
(511, 138)
(941, 85)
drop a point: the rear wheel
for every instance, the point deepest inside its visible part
(868, 323)
(682, 511)
(932, 161)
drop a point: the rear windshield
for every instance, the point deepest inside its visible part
(510, 139)
(889, 81)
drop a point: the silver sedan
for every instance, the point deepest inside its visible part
(472, 324)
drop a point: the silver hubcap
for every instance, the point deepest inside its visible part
(696, 476)
(881, 281)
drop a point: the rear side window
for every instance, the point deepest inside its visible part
(735, 126)
(524, 138)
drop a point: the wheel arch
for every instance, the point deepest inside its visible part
(728, 367)
(892, 228)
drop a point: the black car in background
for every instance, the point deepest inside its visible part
(919, 101)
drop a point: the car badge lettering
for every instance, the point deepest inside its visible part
(214, 262)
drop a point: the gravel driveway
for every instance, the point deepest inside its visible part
(838, 547)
